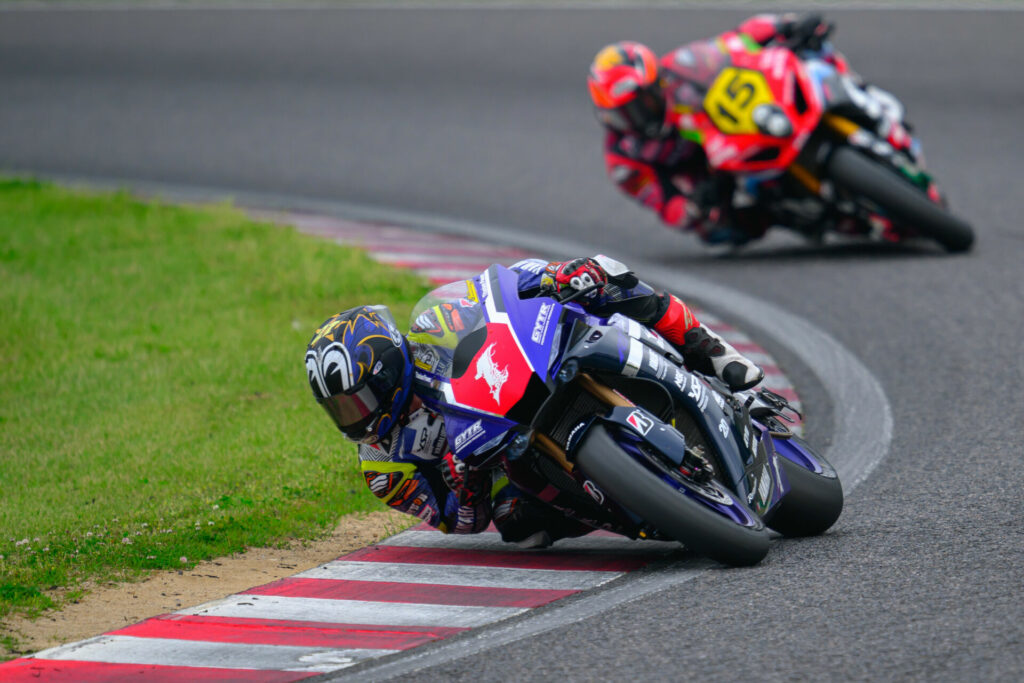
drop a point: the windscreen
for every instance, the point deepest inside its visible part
(439, 321)
(697, 65)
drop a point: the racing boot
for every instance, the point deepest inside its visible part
(528, 522)
(707, 353)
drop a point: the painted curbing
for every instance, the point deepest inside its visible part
(414, 588)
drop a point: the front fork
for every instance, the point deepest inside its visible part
(898, 151)
(760, 481)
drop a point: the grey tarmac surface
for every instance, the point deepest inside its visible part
(483, 115)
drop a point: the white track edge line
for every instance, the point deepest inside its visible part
(540, 620)
(492, 541)
(326, 610)
(468, 575)
(112, 649)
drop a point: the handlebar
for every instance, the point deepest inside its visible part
(576, 294)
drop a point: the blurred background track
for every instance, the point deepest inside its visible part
(483, 115)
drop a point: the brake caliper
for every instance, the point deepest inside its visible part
(696, 466)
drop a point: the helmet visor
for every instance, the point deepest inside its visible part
(643, 114)
(353, 412)
(646, 111)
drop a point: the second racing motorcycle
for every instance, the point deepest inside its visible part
(802, 139)
(600, 419)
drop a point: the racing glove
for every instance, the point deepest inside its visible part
(469, 486)
(579, 275)
(808, 32)
(707, 353)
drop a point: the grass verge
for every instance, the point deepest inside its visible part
(154, 409)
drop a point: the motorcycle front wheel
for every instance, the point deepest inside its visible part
(698, 527)
(903, 202)
(814, 500)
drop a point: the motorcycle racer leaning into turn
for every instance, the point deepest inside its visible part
(362, 371)
(653, 153)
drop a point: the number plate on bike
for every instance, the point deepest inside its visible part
(732, 98)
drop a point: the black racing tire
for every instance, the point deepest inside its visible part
(697, 527)
(906, 204)
(813, 503)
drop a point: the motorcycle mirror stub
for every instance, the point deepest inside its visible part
(611, 266)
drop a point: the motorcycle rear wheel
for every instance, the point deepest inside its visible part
(812, 504)
(697, 527)
(903, 202)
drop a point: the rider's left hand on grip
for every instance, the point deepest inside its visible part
(580, 275)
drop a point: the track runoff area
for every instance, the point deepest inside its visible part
(417, 587)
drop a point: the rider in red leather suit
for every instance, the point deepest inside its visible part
(642, 102)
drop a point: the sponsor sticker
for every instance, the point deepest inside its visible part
(474, 431)
(540, 325)
(655, 361)
(437, 448)
(425, 357)
(640, 422)
(634, 359)
(465, 518)
(765, 485)
(593, 491)
(698, 393)
(575, 429)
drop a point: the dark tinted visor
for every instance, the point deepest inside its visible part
(646, 111)
(354, 412)
(644, 114)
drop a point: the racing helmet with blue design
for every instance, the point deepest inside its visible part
(360, 371)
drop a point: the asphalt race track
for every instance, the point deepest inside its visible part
(482, 115)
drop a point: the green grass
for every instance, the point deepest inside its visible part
(153, 398)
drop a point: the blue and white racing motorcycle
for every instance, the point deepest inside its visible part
(599, 418)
